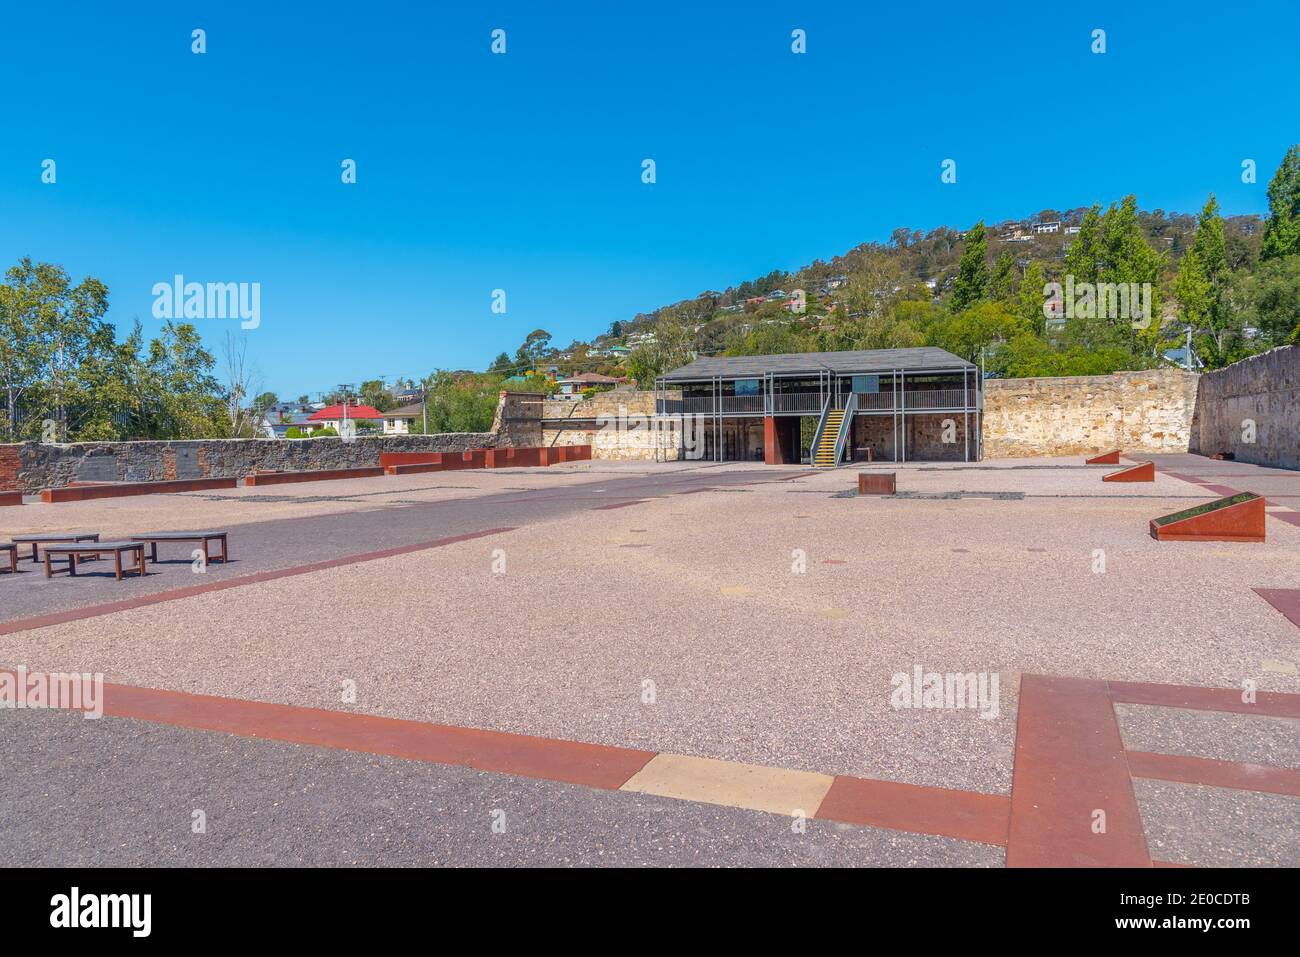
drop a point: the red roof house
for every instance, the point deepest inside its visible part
(334, 413)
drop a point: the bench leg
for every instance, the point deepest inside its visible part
(224, 559)
(49, 573)
(117, 565)
(140, 561)
(72, 563)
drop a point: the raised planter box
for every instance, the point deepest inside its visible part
(1237, 518)
(1106, 458)
(324, 475)
(876, 483)
(1143, 472)
(11, 498)
(80, 493)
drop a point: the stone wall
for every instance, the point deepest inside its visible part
(1148, 411)
(32, 466)
(618, 425)
(1252, 409)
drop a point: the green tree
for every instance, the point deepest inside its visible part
(972, 273)
(1282, 228)
(48, 329)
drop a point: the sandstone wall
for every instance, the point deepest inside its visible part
(1148, 411)
(618, 425)
(1252, 409)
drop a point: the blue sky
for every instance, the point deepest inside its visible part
(523, 171)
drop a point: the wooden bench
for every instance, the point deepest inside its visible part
(76, 550)
(12, 549)
(153, 538)
(50, 538)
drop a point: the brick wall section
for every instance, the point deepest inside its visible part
(1265, 390)
(10, 462)
(1147, 411)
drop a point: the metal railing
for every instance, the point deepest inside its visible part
(796, 402)
(913, 400)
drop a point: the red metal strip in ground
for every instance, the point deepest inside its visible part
(605, 508)
(1218, 774)
(1070, 764)
(1269, 703)
(593, 765)
(1291, 518)
(1285, 600)
(966, 815)
(108, 608)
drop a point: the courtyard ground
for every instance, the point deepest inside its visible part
(688, 663)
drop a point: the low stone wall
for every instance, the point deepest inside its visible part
(1252, 409)
(1148, 411)
(32, 466)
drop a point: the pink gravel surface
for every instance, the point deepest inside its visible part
(698, 598)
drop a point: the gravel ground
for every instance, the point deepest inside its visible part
(123, 793)
(749, 660)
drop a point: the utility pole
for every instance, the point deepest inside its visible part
(1187, 359)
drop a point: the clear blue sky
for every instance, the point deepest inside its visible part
(523, 171)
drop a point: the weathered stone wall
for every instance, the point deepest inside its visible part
(618, 424)
(1148, 411)
(32, 466)
(1257, 398)
(518, 419)
(36, 465)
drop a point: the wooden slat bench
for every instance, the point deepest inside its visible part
(153, 538)
(75, 550)
(51, 538)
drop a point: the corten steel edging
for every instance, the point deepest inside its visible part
(1209, 772)
(81, 493)
(1105, 458)
(965, 815)
(1285, 600)
(11, 498)
(324, 475)
(1070, 764)
(1243, 522)
(1142, 472)
(1273, 704)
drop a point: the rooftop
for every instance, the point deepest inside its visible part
(921, 359)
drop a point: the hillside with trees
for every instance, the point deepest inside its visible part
(1234, 282)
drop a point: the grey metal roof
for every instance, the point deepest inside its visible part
(921, 359)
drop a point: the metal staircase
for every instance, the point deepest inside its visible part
(833, 433)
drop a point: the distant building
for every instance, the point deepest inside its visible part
(332, 416)
(1052, 227)
(398, 421)
(571, 387)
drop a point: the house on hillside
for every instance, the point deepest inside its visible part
(571, 387)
